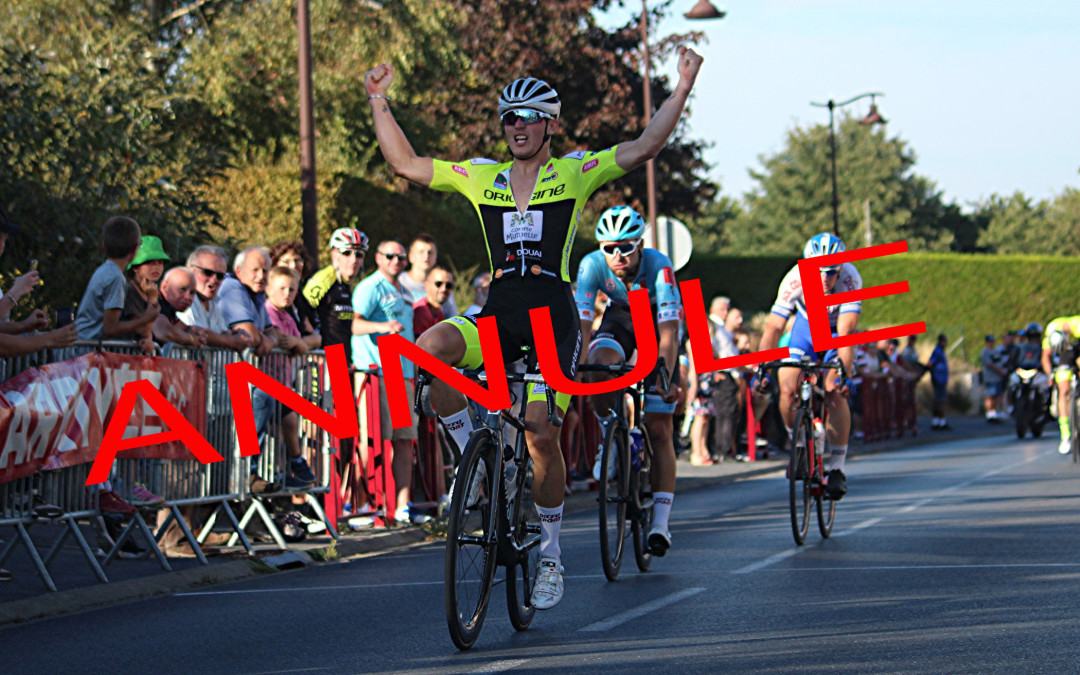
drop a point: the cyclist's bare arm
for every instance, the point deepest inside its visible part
(669, 351)
(1047, 362)
(846, 325)
(395, 147)
(632, 154)
(774, 328)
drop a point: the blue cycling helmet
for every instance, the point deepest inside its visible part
(823, 244)
(618, 223)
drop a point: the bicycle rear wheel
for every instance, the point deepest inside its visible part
(471, 540)
(525, 541)
(802, 436)
(826, 507)
(641, 494)
(614, 494)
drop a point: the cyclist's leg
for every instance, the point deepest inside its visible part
(612, 343)
(1062, 380)
(661, 429)
(455, 342)
(799, 346)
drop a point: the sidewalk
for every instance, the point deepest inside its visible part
(25, 598)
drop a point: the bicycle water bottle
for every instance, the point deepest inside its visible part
(637, 446)
(819, 437)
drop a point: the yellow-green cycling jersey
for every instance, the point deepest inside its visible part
(1070, 325)
(534, 238)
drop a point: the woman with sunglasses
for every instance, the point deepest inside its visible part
(843, 320)
(621, 265)
(528, 209)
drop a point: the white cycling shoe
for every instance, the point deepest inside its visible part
(599, 463)
(659, 541)
(1065, 447)
(548, 589)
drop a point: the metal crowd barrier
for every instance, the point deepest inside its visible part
(187, 485)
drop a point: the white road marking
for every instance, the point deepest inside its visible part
(631, 614)
(500, 666)
(961, 566)
(783, 555)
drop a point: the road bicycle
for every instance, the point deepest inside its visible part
(809, 444)
(625, 489)
(492, 518)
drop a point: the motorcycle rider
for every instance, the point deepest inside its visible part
(1028, 356)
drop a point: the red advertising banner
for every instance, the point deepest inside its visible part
(55, 416)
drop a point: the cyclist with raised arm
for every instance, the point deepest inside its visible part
(621, 265)
(843, 320)
(1060, 349)
(528, 209)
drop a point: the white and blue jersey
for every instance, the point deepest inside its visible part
(790, 300)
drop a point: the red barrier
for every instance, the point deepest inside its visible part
(372, 480)
(888, 405)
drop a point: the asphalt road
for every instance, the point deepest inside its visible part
(958, 557)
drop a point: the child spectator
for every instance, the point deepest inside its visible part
(99, 312)
(293, 255)
(98, 317)
(281, 287)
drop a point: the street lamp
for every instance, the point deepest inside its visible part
(702, 10)
(873, 117)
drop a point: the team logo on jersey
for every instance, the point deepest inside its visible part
(577, 154)
(589, 166)
(669, 276)
(461, 170)
(528, 226)
(481, 160)
(500, 182)
(553, 176)
(530, 252)
(589, 295)
(550, 168)
(609, 284)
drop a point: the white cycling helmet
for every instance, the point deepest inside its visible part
(619, 223)
(823, 244)
(529, 93)
(348, 239)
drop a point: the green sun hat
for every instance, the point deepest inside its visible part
(150, 250)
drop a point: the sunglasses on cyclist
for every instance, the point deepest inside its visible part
(210, 273)
(350, 252)
(526, 116)
(610, 248)
(831, 272)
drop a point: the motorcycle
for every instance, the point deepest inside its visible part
(1028, 394)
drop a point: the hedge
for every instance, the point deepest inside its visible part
(962, 295)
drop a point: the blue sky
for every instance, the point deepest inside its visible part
(986, 93)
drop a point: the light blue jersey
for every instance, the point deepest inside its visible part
(655, 274)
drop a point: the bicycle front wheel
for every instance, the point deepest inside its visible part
(614, 493)
(1074, 420)
(471, 540)
(799, 478)
(525, 541)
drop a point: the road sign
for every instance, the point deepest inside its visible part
(673, 240)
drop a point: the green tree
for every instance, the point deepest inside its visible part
(792, 200)
(91, 129)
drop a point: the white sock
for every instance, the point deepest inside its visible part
(550, 524)
(457, 425)
(662, 508)
(837, 456)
